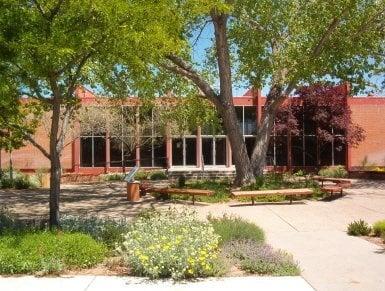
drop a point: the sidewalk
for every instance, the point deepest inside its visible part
(113, 283)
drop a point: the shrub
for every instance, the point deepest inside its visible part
(221, 190)
(379, 228)
(142, 175)
(107, 230)
(7, 183)
(260, 258)
(233, 228)
(334, 172)
(171, 244)
(113, 177)
(20, 181)
(358, 228)
(48, 251)
(158, 176)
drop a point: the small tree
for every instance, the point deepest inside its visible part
(57, 45)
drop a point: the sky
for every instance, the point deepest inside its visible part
(204, 41)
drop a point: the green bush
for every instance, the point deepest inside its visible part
(26, 253)
(20, 181)
(107, 230)
(159, 175)
(7, 183)
(171, 244)
(113, 177)
(334, 172)
(379, 228)
(142, 175)
(258, 258)
(233, 228)
(358, 228)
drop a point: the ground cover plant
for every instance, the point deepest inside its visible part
(379, 228)
(243, 245)
(231, 228)
(258, 258)
(171, 244)
(359, 228)
(48, 252)
(334, 172)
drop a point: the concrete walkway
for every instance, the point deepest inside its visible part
(103, 283)
(315, 233)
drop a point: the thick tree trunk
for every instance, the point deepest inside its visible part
(265, 129)
(244, 172)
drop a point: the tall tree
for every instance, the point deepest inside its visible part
(60, 44)
(280, 45)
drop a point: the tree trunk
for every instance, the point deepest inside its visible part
(10, 166)
(244, 172)
(265, 129)
(54, 193)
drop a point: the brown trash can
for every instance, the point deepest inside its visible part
(133, 193)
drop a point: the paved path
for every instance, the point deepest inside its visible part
(315, 233)
(103, 283)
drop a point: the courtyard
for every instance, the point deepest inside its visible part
(313, 231)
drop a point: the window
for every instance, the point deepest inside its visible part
(250, 120)
(93, 151)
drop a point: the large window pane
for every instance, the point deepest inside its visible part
(146, 154)
(191, 151)
(86, 152)
(129, 157)
(239, 112)
(326, 154)
(270, 153)
(339, 153)
(207, 151)
(99, 152)
(160, 153)
(177, 152)
(297, 151)
(115, 152)
(310, 151)
(220, 151)
(281, 150)
(250, 120)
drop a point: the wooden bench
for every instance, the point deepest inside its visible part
(179, 191)
(263, 193)
(345, 183)
(332, 189)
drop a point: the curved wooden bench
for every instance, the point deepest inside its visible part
(179, 191)
(332, 189)
(341, 181)
(263, 193)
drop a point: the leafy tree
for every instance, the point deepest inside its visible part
(57, 45)
(326, 108)
(280, 45)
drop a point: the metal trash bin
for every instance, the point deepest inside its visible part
(133, 192)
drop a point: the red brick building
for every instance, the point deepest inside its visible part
(98, 154)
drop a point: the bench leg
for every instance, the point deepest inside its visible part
(291, 199)
(193, 199)
(252, 200)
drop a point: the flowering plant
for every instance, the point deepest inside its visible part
(170, 244)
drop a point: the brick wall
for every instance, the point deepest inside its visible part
(29, 158)
(369, 113)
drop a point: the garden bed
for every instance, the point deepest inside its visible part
(155, 245)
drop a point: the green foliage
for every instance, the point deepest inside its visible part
(20, 181)
(258, 258)
(221, 190)
(359, 228)
(107, 230)
(231, 228)
(26, 253)
(113, 177)
(171, 244)
(142, 175)
(158, 175)
(334, 172)
(379, 228)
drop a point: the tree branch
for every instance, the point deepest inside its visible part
(327, 34)
(38, 146)
(183, 68)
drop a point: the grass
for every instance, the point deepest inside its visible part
(231, 228)
(379, 228)
(48, 252)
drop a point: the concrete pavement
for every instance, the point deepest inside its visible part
(103, 283)
(315, 233)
